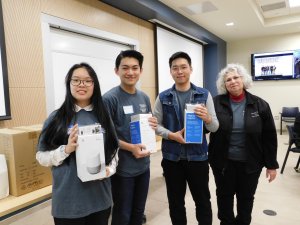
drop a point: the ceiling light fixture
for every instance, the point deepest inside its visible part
(230, 24)
(294, 3)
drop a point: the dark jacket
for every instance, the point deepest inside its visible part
(261, 136)
(172, 118)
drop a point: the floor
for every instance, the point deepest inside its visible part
(281, 196)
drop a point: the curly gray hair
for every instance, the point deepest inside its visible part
(240, 70)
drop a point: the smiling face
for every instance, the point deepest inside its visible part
(129, 72)
(181, 72)
(81, 92)
(234, 83)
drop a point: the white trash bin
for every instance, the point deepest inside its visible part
(4, 187)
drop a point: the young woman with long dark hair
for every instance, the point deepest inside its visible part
(74, 201)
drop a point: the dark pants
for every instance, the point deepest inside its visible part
(235, 181)
(129, 196)
(98, 218)
(177, 176)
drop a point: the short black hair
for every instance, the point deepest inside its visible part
(178, 55)
(130, 54)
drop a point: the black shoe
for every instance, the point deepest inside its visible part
(144, 219)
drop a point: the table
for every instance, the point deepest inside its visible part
(12, 204)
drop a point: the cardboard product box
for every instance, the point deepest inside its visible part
(39, 126)
(142, 133)
(193, 126)
(90, 155)
(25, 173)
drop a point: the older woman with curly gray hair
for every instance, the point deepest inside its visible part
(245, 142)
(240, 72)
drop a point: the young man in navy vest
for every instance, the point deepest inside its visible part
(185, 163)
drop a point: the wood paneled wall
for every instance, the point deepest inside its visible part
(24, 48)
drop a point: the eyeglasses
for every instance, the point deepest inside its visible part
(232, 79)
(77, 82)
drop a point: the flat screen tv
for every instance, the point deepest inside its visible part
(281, 65)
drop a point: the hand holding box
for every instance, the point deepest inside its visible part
(142, 133)
(193, 126)
(90, 155)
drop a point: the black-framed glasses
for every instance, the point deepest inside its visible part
(77, 82)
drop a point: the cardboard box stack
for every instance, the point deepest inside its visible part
(25, 173)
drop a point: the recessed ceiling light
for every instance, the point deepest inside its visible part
(294, 3)
(230, 24)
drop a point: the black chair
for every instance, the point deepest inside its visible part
(293, 138)
(288, 115)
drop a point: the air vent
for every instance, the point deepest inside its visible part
(198, 8)
(274, 6)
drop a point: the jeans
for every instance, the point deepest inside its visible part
(97, 218)
(129, 196)
(177, 176)
(234, 180)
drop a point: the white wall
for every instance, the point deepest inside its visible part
(276, 93)
(167, 44)
(74, 43)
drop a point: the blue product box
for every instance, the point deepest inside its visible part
(135, 132)
(141, 132)
(193, 128)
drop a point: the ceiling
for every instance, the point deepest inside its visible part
(251, 18)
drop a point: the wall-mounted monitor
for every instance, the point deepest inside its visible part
(281, 65)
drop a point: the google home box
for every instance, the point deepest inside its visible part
(193, 126)
(141, 132)
(90, 156)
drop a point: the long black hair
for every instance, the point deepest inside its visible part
(55, 134)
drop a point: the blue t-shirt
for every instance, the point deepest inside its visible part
(121, 106)
(72, 198)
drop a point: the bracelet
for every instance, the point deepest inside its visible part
(62, 149)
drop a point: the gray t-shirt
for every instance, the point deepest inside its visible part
(183, 98)
(237, 149)
(121, 106)
(72, 198)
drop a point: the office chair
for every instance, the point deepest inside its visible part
(292, 146)
(288, 115)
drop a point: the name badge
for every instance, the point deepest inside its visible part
(128, 109)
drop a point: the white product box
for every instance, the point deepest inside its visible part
(193, 126)
(4, 187)
(142, 133)
(90, 155)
